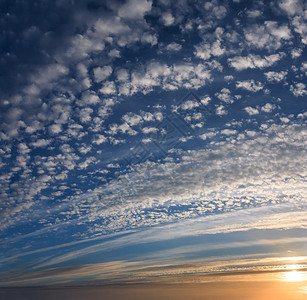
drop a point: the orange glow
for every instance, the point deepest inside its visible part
(294, 276)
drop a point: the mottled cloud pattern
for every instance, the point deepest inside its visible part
(142, 139)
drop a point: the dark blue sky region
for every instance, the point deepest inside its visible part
(141, 139)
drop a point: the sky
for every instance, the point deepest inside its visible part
(152, 141)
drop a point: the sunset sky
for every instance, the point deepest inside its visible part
(149, 144)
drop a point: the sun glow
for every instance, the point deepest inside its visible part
(295, 258)
(296, 273)
(293, 276)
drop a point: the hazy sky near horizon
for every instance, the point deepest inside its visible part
(143, 140)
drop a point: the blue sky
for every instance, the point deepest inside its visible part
(145, 138)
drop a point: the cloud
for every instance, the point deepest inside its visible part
(132, 119)
(212, 46)
(206, 50)
(166, 77)
(291, 7)
(229, 131)
(55, 128)
(173, 47)
(276, 76)
(122, 271)
(296, 52)
(167, 19)
(304, 68)
(102, 73)
(254, 61)
(108, 88)
(299, 23)
(239, 221)
(269, 36)
(134, 9)
(221, 110)
(268, 107)
(41, 143)
(149, 38)
(225, 96)
(100, 139)
(251, 110)
(298, 89)
(148, 130)
(85, 115)
(250, 85)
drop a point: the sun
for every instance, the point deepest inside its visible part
(293, 276)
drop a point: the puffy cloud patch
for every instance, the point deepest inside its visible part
(250, 85)
(276, 76)
(254, 61)
(102, 73)
(298, 89)
(269, 36)
(251, 110)
(173, 47)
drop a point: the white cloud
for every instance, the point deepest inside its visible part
(132, 119)
(189, 104)
(99, 139)
(297, 13)
(55, 128)
(146, 141)
(148, 130)
(86, 163)
(268, 36)
(251, 110)
(254, 13)
(134, 9)
(122, 75)
(225, 96)
(108, 88)
(296, 52)
(167, 19)
(276, 76)
(22, 149)
(205, 100)
(175, 47)
(268, 107)
(298, 89)
(85, 114)
(229, 131)
(300, 26)
(304, 68)
(123, 128)
(254, 61)
(220, 12)
(221, 110)
(45, 78)
(41, 143)
(285, 120)
(103, 73)
(291, 7)
(210, 48)
(35, 126)
(88, 98)
(115, 53)
(149, 38)
(173, 77)
(228, 77)
(250, 85)
(207, 135)
(206, 50)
